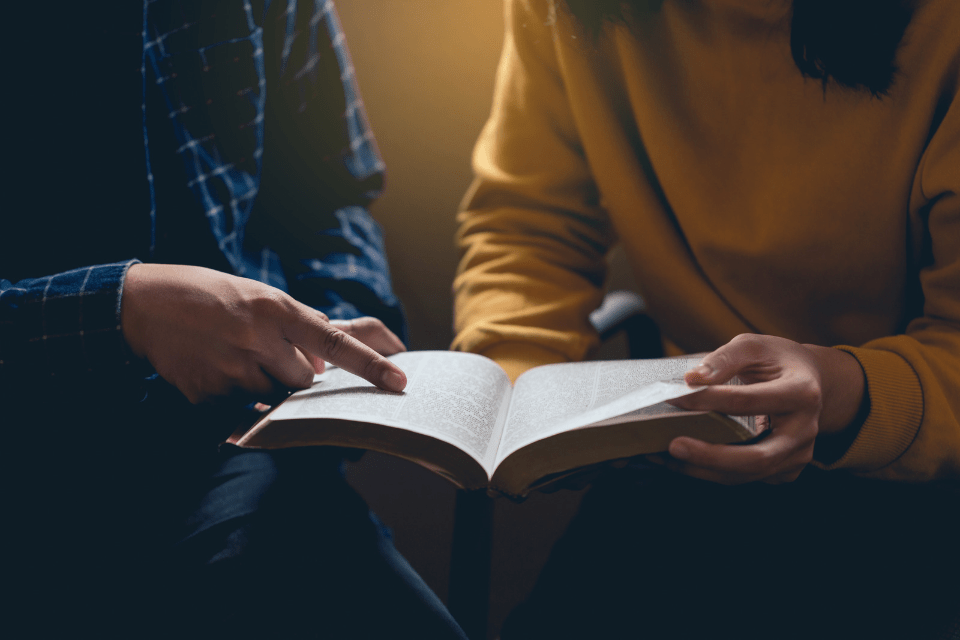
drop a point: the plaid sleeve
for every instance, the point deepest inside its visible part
(64, 324)
(321, 167)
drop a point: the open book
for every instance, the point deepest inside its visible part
(460, 417)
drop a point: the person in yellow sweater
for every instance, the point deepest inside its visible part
(784, 178)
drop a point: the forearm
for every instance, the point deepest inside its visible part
(531, 270)
(526, 303)
(533, 232)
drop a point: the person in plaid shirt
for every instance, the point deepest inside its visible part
(186, 234)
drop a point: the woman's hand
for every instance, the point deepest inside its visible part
(215, 335)
(797, 391)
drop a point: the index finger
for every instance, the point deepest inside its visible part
(319, 338)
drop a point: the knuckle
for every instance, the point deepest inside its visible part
(810, 394)
(747, 340)
(334, 344)
(369, 322)
(271, 302)
(371, 368)
(275, 297)
(365, 326)
(750, 344)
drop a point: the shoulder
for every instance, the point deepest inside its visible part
(928, 61)
(934, 31)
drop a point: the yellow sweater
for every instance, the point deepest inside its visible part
(747, 198)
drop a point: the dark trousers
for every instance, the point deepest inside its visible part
(127, 520)
(655, 555)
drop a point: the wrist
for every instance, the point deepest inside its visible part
(131, 324)
(843, 387)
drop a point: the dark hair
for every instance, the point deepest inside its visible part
(852, 42)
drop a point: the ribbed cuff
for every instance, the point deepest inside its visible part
(517, 357)
(896, 410)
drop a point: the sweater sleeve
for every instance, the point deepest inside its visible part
(532, 233)
(912, 431)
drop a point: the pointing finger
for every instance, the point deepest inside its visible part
(320, 339)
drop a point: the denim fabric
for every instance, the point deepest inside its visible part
(281, 546)
(127, 520)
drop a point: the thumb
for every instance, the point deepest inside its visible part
(723, 364)
(701, 374)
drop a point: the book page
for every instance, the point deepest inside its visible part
(460, 398)
(555, 398)
(653, 411)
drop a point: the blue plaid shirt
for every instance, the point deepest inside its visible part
(273, 190)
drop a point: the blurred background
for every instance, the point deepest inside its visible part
(426, 71)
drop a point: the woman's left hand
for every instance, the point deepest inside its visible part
(796, 391)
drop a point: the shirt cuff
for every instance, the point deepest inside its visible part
(72, 323)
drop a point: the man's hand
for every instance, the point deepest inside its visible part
(371, 332)
(802, 390)
(214, 335)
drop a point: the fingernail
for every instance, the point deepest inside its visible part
(702, 371)
(679, 450)
(394, 381)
